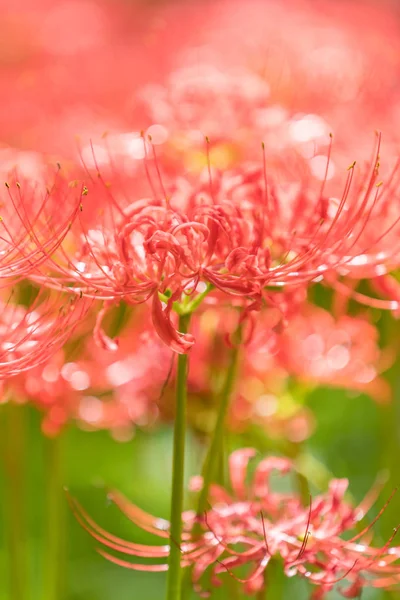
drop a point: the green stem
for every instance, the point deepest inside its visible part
(261, 595)
(54, 558)
(14, 440)
(195, 303)
(211, 461)
(174, 580)
(274, 581)
(303, 488)
(187, 307)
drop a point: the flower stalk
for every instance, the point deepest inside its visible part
(274, 581)
(174, 580)
(215, 448)
(213, 466)
(14, 500)
(54, 558)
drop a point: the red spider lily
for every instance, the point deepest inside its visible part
(34, 220)
(255, 524)
(240, 231)
(30, 336)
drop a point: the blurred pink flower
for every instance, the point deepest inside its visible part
(31, 336)
(99, 389)
(341, 352)
(316, 57)
(307, 63)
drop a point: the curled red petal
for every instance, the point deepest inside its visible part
(141, 518)
(263, 471)
(235, 257)
(101, 339)
(111, 541)
(238, 462)
(337, 490)
(179, 342)
(389, 286)
(133, 566)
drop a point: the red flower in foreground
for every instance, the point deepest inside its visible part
(240, 231)
(255, 524)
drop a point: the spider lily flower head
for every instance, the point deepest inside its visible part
(255, 523)
(37, 209)
(285, 228)
(240, 231)
(30, 336)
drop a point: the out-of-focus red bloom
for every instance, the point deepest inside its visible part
(30, 336)
(114, 48)
(255, 524)
(316, 57)
(100, 389)
(269, 392)
(229, 107)
(134, 385)
(309, 68)
(342, 352)
(326, 61)
(131, 380)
